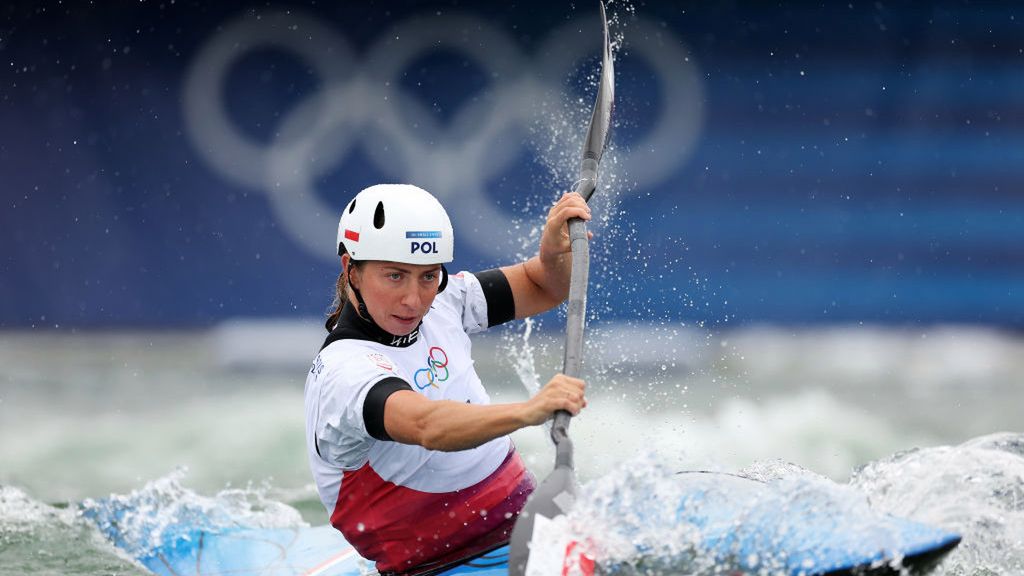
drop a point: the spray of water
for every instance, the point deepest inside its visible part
(558, 136)
(39, 539)
(976, 488)
(164, 511)
(648, 519)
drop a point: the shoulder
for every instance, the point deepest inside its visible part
(461, 291)
(342, 382)
(458, 286)
(354, 359)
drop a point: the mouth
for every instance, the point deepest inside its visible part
(404, 320)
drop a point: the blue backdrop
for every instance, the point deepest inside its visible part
(175, 163)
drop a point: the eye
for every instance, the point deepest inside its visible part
(396, 276)
(430, 276)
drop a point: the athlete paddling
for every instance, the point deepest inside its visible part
(412, 462)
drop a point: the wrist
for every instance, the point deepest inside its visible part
(524, 415)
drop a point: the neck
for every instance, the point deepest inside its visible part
(363, 327)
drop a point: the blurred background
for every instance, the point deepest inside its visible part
(178, 164)
(809, 245)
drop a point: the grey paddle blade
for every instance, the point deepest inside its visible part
(600, 119)
(555, 495)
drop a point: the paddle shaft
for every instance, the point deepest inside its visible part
(573, 361)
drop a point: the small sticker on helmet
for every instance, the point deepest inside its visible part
(352, 235)
(422, 234)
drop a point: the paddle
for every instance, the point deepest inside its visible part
(556, 493)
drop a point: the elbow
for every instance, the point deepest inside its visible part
(443, 429)
(441, 444)
(443, 440)
(434, 437)
(418, 421)
(432, 441)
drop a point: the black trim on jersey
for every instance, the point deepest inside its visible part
(500, 305)
(352, 326)
(373, 406)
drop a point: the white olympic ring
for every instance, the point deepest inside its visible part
(402, 137)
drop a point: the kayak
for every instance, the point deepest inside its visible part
(807, 539)
(316, 551)
(322, 551)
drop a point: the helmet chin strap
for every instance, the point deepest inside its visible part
(363, 312)
(444, 279)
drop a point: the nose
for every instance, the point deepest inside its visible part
(411, 299)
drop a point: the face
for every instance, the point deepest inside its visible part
(397, 295)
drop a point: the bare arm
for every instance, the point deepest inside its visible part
(447, 425)
(542, 282)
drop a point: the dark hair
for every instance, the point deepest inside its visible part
(340, 296)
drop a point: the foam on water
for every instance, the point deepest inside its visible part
(646, 518)
(117, 411)
(43, 540)
(165, 511)
(976, 488)
(20, 514)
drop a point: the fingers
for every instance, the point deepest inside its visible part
(567, 394)
(555, 238)
(556, 245)
(560, 393)
(570, 205)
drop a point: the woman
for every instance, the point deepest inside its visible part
(412, 462)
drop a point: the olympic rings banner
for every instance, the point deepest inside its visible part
(174, 165)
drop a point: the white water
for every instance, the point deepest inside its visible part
(630, 519)
(120, 410)
(976, 488)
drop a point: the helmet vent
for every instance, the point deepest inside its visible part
(352, 206)
(378, 216)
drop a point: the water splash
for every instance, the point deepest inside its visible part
(558, 133)
(976, 488)
(164, 511)
(20, 514)
(39, 539)
(648, 519)
(522, 356)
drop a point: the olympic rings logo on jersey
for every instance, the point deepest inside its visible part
(437, 360)
(361, 98)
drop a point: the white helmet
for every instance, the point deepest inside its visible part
(396, 223)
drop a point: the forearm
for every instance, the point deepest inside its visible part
(551, 275)
(449, 426)
(536, 289)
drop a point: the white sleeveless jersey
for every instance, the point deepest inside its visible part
(436, 364)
